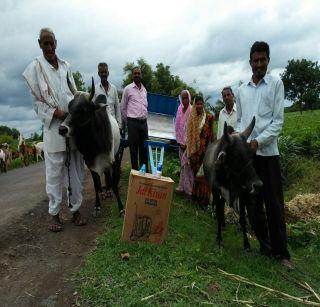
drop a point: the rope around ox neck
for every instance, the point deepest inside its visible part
(67, 164)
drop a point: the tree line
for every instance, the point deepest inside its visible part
(301, 79)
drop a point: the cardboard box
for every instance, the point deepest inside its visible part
(148, 207)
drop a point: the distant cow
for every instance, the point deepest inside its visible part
(39, 150)
(228, 169)
(3, 164)
(27, 153)
(6, 156)
(97, 137)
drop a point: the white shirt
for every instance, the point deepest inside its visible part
(230, 118)
(49, 90)
(113, 104)
(265, 101)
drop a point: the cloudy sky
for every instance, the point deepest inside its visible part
(206, 43)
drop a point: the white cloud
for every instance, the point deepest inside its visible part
(207, 41)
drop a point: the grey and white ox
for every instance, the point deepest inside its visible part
(97, 137)
(229, 171)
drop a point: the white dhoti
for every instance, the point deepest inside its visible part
(57, 178)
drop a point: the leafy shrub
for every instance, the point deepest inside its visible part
(171, 167)
(16, 163)
(305, 235)
(289, 150)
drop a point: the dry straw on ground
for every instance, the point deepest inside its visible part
(303, 207)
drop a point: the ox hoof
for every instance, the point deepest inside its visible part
(247, 248)
(122, 212)
(103, 195)
(219, 243)
(96, 212)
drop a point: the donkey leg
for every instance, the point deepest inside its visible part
(115, 184)
(243, 224)
(98, 189)
(219, 206)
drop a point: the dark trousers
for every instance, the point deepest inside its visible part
(137, 134)
(269, 224)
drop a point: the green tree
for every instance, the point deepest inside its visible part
(15, 133)
(301, 80)
(208, 106)
(5, 138)
(159, 80)
(164, 80)
(8, 131)
(218, 107)
(79, 81)
(5, 130)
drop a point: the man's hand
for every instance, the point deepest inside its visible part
(60, 114)
(254, 146)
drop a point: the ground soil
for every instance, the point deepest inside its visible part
(37, 266)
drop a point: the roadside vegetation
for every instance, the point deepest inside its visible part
(186, 269)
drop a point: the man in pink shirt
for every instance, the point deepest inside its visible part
(134, 112)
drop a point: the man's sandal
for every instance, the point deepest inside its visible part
(78, 220)
(55, 224)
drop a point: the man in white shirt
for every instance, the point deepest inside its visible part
(46, 76)
(263, 97)
(110, 91)
(229, 113)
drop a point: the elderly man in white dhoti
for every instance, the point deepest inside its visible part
(46, 76)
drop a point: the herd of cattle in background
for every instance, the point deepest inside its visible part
(26, 153)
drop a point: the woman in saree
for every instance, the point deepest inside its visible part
(186, 174)
(199, 136)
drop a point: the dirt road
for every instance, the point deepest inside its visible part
(37, 266)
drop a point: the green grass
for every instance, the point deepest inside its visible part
(16, 163)
(303, 177)
(305, 130)
(295, 122)
(189, 256)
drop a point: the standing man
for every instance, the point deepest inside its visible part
(229, 113)
(110, 91)
(46, 76)
(134, 111)
(263, 97)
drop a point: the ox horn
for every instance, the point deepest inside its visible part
(92, 90)
(226, 134)
(71, 87)
(246, 133)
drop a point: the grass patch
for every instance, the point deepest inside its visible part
(305, 130)
(15, 163)
(183, 270)
(303, 177)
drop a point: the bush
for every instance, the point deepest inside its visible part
(306, 235)
(16, 163)
(289, 150)
(171, 165)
